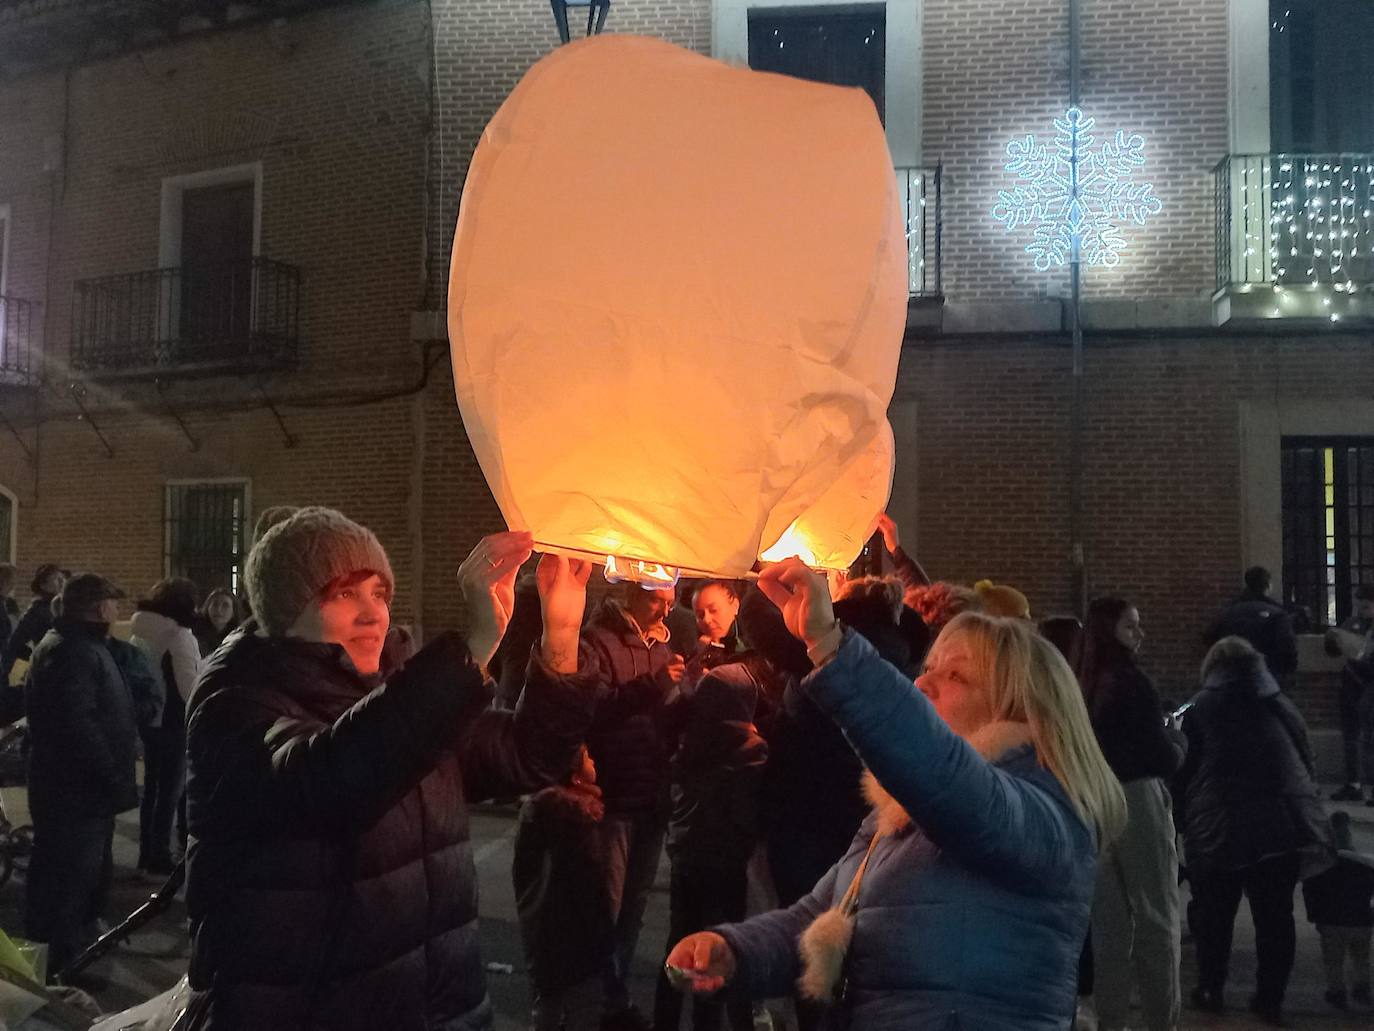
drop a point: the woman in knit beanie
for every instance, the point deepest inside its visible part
(330, 879)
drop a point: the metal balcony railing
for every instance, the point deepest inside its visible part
(16, 334)
(920, 195)
(1295, 220)
(204, 318)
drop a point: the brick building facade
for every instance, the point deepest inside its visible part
(358, 120)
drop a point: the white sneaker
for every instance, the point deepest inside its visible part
(1085, 1017)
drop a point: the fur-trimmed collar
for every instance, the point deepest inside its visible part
(991, 741)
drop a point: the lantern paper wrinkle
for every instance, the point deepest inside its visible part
(676, 304)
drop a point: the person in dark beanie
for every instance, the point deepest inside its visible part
(33, 624)
(330, 877)
(81, 768)
(1262, 621)
(163, 628)
(1338, 901)
(561, 901)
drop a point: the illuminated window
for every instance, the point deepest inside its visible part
(205, 528)
(1328, 522)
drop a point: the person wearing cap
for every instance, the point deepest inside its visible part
(330, 876)
(84, 736)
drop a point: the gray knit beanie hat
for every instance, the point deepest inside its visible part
(299, 556)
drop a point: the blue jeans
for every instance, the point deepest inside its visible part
(164, 781)
(630, 849)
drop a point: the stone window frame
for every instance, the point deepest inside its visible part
(9, 555)
(174, 188)
(902, 67)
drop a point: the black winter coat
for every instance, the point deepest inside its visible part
(628, 740)
(330, 878)
(1246, 790)
(1261, 621)
(1128, 719)
(33, 624)
(567, 925)
(1342, 895)
(813, 801)
(83, 728)
(717, 773)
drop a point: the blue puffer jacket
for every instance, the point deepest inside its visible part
(971, 917)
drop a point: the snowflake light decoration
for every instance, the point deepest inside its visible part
(1075, 196)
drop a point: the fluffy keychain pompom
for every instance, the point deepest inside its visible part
(823, 948)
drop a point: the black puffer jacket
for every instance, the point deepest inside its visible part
(1246, 790)
(628, 739)
(331, 882)
(1128, 719)
(82, 724)
(813, 802)
(1261, 621)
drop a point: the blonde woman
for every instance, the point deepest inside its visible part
(964, 899)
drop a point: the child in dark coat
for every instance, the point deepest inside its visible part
(561, 901)
(717, 777)
(1339, 903)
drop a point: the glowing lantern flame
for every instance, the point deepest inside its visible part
(649, 575)
(793, 542)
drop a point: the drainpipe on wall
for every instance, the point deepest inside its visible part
(1079, 586)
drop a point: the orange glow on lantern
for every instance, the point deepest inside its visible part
(724, 246)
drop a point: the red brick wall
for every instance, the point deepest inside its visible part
(1162, 474)
(338, 119)
(995, 70)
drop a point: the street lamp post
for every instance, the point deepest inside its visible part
(596, 15)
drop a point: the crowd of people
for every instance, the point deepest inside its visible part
(893, 801)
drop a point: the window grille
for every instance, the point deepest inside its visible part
(206, 533)
(1328, 522)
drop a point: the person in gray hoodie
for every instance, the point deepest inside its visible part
(163, 629)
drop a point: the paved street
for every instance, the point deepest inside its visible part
(157, 956)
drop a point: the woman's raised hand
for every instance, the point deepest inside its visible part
(701, 963)
(803, 597)
(563, 600)
(487, 581)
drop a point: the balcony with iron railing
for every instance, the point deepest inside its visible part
(919, 189)
(204, 319)
(16, 335)
(1295, 235)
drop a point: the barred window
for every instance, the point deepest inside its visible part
(1328, 522)
(205, 533)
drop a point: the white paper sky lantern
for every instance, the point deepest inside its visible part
(676, 305)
